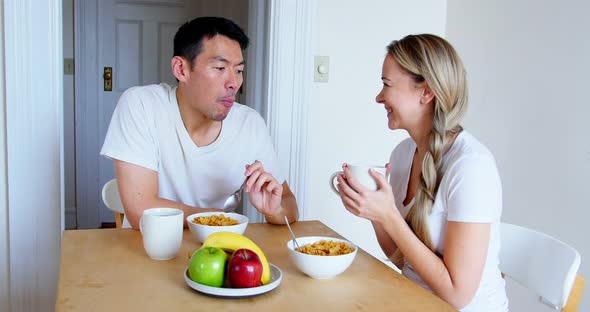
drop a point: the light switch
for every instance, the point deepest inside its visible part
(321, 69)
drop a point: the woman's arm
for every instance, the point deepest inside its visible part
(456, 277)
(387, 245)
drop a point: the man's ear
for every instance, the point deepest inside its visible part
(180, 68)
(427, 95)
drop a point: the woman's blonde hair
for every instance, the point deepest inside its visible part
(432, 59)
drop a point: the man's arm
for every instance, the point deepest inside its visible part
(288, 208)
(138, 187)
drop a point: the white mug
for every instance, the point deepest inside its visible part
(161, 229)
(361, 173)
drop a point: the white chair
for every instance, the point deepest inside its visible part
(543, 264)
(112, 199)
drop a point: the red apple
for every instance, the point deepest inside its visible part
(244, 269)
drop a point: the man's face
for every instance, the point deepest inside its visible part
(215, 77)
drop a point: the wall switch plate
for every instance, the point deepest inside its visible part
(321, 68)
(68, 66)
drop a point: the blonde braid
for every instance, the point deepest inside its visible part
(431, 59)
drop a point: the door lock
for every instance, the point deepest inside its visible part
(108, 78)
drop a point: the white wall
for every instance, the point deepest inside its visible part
(346, 125)
(528, 63)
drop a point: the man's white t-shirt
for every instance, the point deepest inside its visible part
(146, 129)
(470, 191)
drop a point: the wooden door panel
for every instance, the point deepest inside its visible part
(154, 2)
(135, 38)
(166, 32)
(136, 41)
(127, 70)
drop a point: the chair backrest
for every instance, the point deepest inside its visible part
(112, 199)
(539, 262)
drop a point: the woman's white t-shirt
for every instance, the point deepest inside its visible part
(147, 130)
(470, 191)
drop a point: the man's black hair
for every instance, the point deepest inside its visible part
(188, 41)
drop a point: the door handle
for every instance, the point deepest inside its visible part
(107, 75)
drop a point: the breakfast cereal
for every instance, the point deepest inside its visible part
(215, 220)
(326, 248)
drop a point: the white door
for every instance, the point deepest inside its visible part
(136, 42)
(135, 39)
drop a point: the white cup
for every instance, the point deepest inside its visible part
(361, 173)
(161, 229)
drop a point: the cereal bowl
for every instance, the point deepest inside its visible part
(320, 267)
(201, 231)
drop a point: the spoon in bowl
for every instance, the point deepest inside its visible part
(292, 234)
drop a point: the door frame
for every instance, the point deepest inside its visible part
(31, 145)
(279, 87)
(288, 100)
(86, 81)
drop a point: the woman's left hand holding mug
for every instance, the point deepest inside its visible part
(360, 201)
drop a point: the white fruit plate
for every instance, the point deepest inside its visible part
(276, 276)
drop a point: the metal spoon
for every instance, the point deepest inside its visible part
(234, 200)
(292, 234)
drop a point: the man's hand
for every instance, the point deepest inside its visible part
(264, 191)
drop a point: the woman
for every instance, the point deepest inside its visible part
(438, 218)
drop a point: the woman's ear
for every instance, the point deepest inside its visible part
(180, 68)
(427, 95)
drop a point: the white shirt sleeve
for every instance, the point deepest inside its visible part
(474, 191)
(130, 137)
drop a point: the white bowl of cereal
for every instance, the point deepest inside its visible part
(204, 224)
(322, 257)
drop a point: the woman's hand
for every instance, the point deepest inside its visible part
(264, 191)
(375, 206)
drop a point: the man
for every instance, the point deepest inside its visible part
(190, 147)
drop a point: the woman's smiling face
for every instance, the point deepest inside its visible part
(400, 96)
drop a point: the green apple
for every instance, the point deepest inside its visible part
(207, 266)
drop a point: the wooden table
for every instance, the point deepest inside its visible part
(108, 270)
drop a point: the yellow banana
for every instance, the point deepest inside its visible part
(231, 242)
